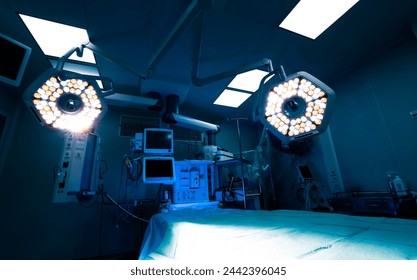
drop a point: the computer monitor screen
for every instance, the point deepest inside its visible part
(158, 170)
(158, 141)
(14, 57)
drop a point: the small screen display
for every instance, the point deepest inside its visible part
(159, 168)
(11, 57)
(13, 60)
(158, 141)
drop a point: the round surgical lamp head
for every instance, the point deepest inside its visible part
(66, 101)
(295, 108)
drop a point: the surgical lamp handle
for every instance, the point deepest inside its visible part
(258, 96)
(260, 91)
(106, 92)
(79, 50)
(68, 75)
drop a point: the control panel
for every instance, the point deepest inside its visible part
(194, 181)
(77, 174)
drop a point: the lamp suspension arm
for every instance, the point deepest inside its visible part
(199, 30)
(266, 62)
(141, 73)
(61, 61)
(282, 73)
(191, 12)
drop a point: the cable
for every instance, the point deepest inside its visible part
(100, 229)
(125, 211)
(101, 172)
(121, 177)
(136, 169)
(120, 207)
(87, 205)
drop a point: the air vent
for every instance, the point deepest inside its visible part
(129, 125)
(181, 133)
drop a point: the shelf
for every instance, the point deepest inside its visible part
(234, 161)
(244, 189)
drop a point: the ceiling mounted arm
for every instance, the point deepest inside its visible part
(192, 123)
(139, 72)
(264, 63)
(193, 10)
(195, 7)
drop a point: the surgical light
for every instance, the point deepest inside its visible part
(65, 100)
(294, 107)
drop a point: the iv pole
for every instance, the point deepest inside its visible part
(240, 157)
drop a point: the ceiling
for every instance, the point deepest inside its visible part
(209, 37)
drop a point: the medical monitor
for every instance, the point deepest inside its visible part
(158, 141)
(158, 170)
(14, 57)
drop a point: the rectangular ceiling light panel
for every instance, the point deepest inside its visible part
(56, 39)
(248, 81)
(240, 88)
(310, 18)
(231, 98)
